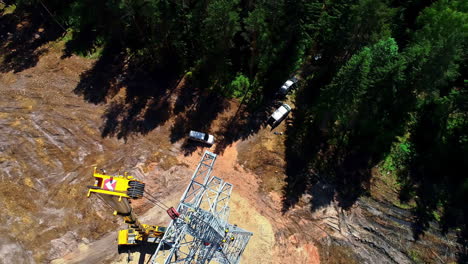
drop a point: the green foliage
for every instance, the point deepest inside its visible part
(368, 81)
(399, 156)
(439, 130)
(7, 9)
(415, 256)
(438, 46)
(345, 92)
(239, 87)
(344, 27)
(403, 205)
(220, 25)
(402, 108)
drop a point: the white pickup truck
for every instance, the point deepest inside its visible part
(279, 115)
(201, 137)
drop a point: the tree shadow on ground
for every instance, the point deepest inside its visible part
(337, 167)
(186, 97)
(82, 42)
(153, 95)
(144, 248)
(145, 106)
(197, 110)
(22, 35)
(140, 93)
(142, 97)
(105, 78)
(341, 157)
(344, 170)
(435, 177)
(243, 124)
(200, 111)
(316, 168)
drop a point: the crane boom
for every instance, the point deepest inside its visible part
(117, 191)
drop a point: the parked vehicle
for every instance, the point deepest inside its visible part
(201, 137)
(279, 115)
(287, 86)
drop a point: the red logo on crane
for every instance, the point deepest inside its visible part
(110, 184)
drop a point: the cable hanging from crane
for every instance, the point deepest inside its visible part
(171, 211)
(155, 201)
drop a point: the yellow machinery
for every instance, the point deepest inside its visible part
(117, 191)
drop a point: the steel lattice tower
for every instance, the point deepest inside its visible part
(201, 234)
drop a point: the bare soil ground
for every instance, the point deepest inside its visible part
(51, 138)
(52, 135)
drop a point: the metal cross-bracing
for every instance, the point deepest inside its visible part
(201, 233)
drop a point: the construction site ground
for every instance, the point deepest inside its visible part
(52, 136)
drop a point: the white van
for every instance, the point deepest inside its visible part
(279, 115)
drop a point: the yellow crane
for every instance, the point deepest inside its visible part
(117, 191)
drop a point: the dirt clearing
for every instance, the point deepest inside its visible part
(51, 138)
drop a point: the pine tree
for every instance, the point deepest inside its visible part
(437, 47)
